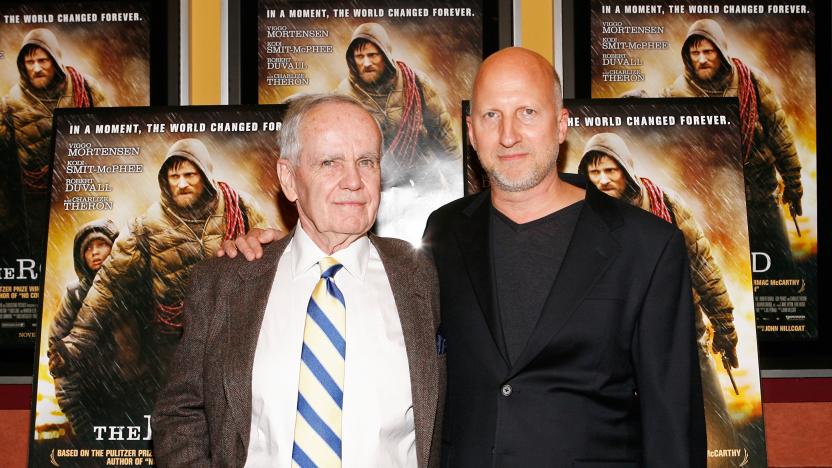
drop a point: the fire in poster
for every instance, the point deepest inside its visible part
(763, 53)
(72, 55)
(677, 159)
(409, 63)
(139, 197)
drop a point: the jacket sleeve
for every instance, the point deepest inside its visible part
(115, 283)
(778, 136)
(667, 366)
(180, 426)
(705, 275)
(60, 328)
(65, 317)
(438, 121)
(67, 390)
(69, 395)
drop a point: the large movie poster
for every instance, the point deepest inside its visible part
(70, 55)
(409, 63)
(678, 160)
(139, 197)
(762, 53)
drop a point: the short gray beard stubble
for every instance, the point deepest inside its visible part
(532, 180)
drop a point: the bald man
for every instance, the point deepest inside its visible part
(567, 313)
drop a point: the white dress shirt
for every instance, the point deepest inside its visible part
(377, 416)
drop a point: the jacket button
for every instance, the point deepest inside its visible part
(506, 390)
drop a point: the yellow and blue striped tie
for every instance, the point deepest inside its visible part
(321, 381)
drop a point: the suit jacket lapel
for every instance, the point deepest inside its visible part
(590, 252)
(419, 337)
(473, 236)
(246, 307)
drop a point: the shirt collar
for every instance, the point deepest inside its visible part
(306, 255)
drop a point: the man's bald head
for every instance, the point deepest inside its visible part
(523, 64)
(517, 120)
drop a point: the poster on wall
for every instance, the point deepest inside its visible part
(763, 54)
(677, 158)
(409, 63)
(53, 56)
(139, 197)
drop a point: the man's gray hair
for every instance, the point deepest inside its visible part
(289, 143)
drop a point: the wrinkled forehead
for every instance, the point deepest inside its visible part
(349, 122)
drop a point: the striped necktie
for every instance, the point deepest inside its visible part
(321, 381)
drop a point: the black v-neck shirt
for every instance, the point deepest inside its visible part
(525, 261)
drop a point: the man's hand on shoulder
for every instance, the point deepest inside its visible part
(251, 244)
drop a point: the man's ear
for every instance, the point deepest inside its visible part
(286, 175)
(563, 125)
(471, 140)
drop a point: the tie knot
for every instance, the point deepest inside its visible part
(329, 266)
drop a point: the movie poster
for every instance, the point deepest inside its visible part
(70, 55)
(409, 63)
(139, 197)
(763, 53)
(677, 159)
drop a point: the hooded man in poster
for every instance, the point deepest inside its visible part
(46, 83)
(768, 147)
(144, 280)
(608, 164)
(415, 124)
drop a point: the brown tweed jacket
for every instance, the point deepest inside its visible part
(203, 414)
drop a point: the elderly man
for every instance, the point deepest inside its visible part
(323, 353)
(567, 313)
(414, 121)
(768, 147)
(46, 83)
(138, 293)
(608, 165)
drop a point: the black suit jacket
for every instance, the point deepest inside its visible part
(609, 376)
